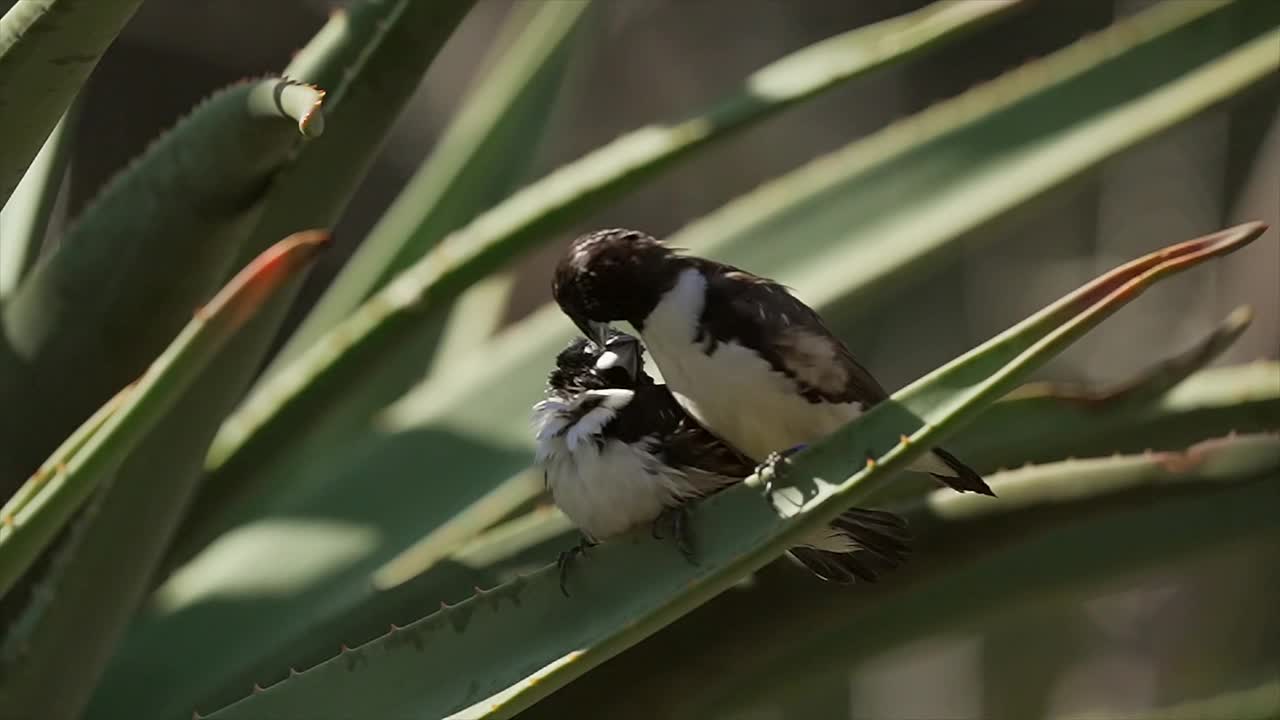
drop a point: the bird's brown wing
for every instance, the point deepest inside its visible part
(763, 315)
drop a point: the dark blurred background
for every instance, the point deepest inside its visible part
(1185, 631)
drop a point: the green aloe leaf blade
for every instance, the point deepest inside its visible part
(24, 219)
(488, 145)
(98, 588)
(1035, 424)
(373, 55)
(47, 50)
(446, 662)
(480, 158)
(1067, 530)
(170, 226)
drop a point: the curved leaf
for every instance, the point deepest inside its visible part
(1014, 431)
(47, 50)
(478, 160)
(24, 219)
(446, 663)
(106, 576)
(375, 53)
(168, 227)
(1065, 530)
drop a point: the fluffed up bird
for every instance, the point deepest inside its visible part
(618, 453)
(751, 362)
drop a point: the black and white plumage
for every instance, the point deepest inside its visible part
(751, 362)
(619, 451)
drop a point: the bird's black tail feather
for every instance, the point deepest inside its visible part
(883, 542)
(965, 479)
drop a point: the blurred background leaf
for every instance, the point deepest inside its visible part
(54, 670)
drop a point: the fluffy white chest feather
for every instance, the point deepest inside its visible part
(732, 391)
(605, 486)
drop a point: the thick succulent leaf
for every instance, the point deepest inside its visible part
(168, 229)
(25, 217)
(478, 161)
(1156, 381)
(374, 55)
(1157, 411)
(450, 662)
(47, 50)
(104, 579)
(1067, 531)
(1043, 427)
(457, 412)
(372, 356)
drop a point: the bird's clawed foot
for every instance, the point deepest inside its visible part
(566, 559)
(774, 466)
(678, 518)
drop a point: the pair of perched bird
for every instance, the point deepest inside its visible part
(751, 374)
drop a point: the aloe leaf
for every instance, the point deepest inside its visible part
(102, 583)
(476, 315)
(479, 159)
(1075, 421)
(1066, 530)
(1155, 411)
(373, 55)
(1012, 432)
(168, 227)
(24, 219)
(371, 357)
(47, 50)
(1212, 403)
(631, 589)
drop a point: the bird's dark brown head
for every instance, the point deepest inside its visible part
(585, 365)
(610, 275)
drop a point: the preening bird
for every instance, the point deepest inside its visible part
(747, 359)
(619, 452)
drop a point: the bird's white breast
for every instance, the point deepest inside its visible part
(605, 486)
(733, 391)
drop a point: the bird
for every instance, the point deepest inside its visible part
(618, 453)
(746, 358)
